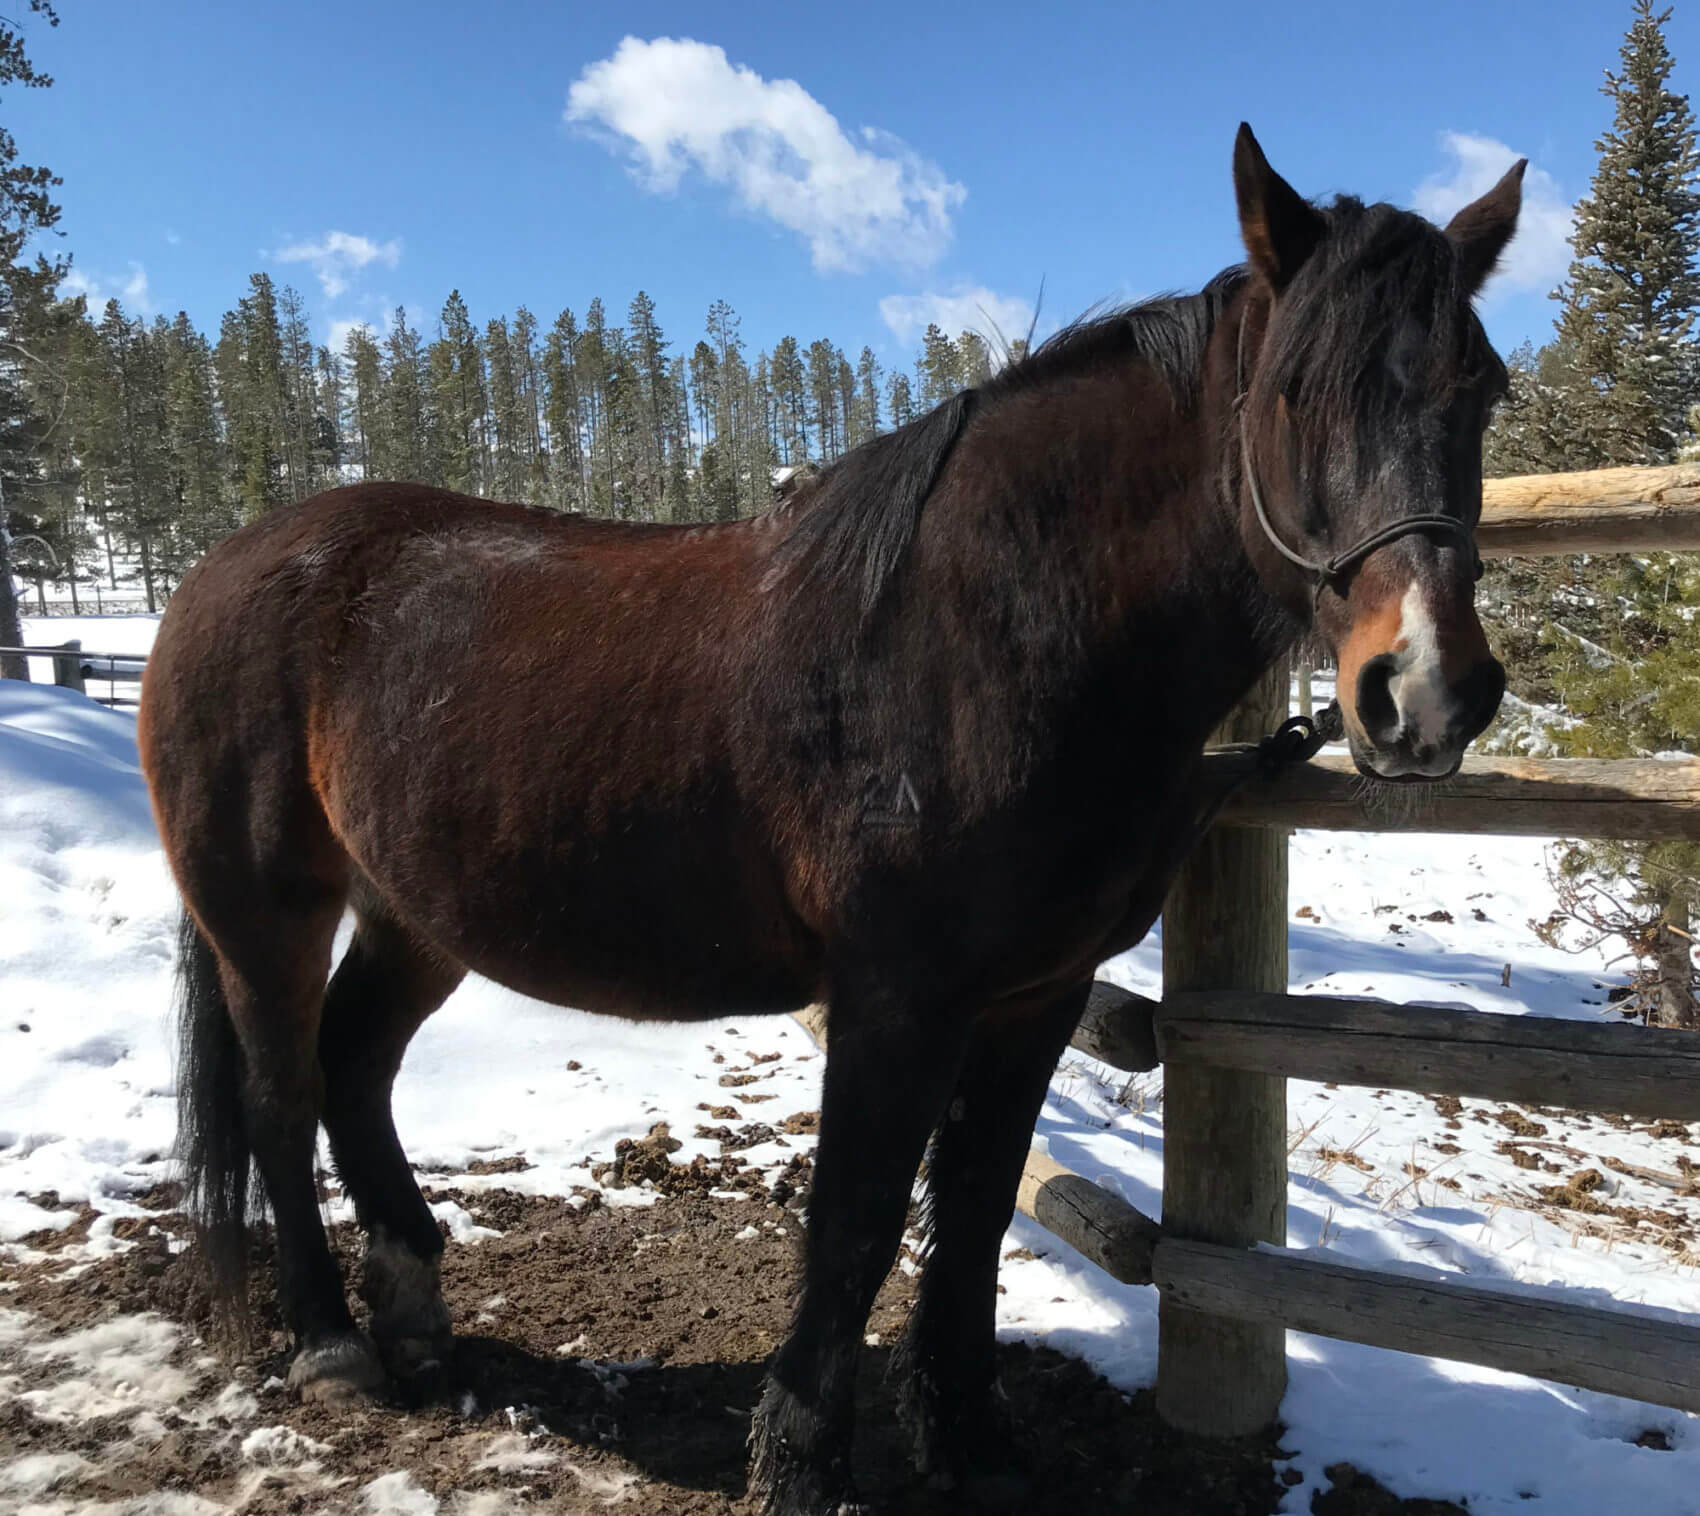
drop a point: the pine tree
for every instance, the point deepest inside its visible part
(26, 208)
(39, 460)
(408, 442)
(366, 426)
(652, 403)
(705, 381)
(135, 438)
(975, 359)
(788, 375)
(528, 371)
(1630, 302)
(298, 397)
(201, 510)
(939, 368)
(822, 402)
(1617, 390)
(564, 414)
(458, 399)
(593, 363)
(900, 403)
(327, 421)
(866, 418)
(510, 435)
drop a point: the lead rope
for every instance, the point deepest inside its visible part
(1298, 739)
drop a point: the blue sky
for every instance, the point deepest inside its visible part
(844, 172)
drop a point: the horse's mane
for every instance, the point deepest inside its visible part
(859, 515)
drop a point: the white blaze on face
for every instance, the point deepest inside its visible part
(1419, 688)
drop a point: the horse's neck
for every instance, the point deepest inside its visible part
(1171, 617)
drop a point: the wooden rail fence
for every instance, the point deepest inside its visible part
(73, 669)
(1228, 1037)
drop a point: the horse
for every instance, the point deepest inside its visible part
(921, 742)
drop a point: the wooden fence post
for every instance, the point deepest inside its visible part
(68, 671)
(1225, 1131)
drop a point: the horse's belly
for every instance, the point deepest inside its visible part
(603, 940)
(662, 906)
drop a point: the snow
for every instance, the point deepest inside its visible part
(1385, 1179)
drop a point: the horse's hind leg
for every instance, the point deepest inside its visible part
(273, 947)
(889, 1070)
(384, 988)
(947, 1362)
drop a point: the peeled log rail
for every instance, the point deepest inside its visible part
(1103, 1228)
(1117, 1029)
(1629, 799)
(1636, 1071)
(1654, 1358)
(1608, 510)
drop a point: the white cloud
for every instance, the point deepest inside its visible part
(1540, 252)
(130, 290)
(338, 256)
(677, 105)
(336, 337)
(965, 309)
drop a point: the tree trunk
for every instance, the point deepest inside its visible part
(1676, 975)
(147, 571)
(12, 666)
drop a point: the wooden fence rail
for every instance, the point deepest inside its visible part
(1644, 1356)
(1608, 510)
(1639, 799)
(73, 668)
(1630, 1070)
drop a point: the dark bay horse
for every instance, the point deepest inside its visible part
(921, 743)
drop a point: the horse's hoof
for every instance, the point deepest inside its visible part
(409, 1358)
(343, 1369)
(982, 1479)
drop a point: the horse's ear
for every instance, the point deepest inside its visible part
(1280, 227)
(1481, 230)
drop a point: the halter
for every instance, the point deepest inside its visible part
(1328, 572)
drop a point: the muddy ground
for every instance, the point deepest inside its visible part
(607, 1355)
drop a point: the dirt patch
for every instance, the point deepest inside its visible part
(1519, 1125)
(1353, 1493)
(1522, 1157)
(606, 1354)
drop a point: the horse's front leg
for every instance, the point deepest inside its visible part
(889, 1070)
(947, 1364)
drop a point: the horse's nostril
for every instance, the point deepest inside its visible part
(1479, 695)
(1378, 713)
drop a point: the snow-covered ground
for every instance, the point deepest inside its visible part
(86, 926)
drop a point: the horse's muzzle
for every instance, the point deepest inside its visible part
(1414, 727)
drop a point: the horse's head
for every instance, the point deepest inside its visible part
(1364, 385)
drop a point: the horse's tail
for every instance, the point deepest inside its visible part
(212, 1138)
